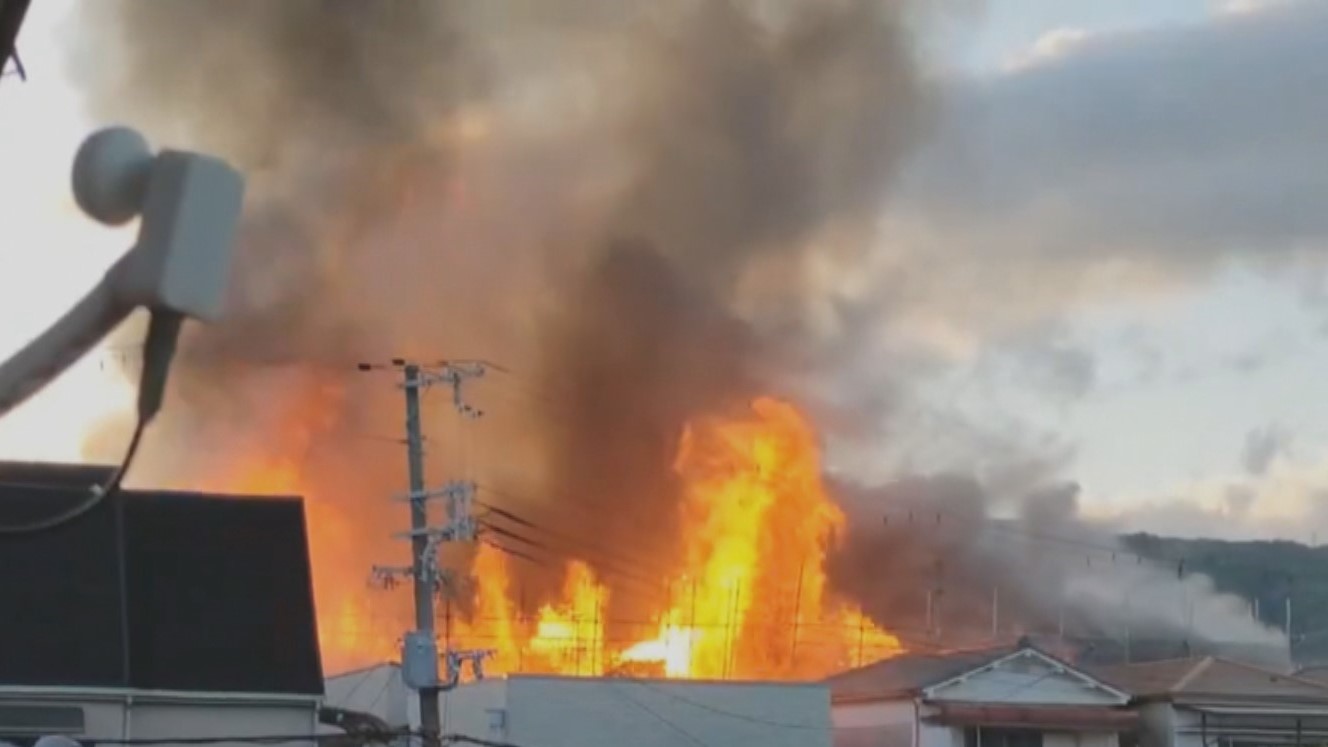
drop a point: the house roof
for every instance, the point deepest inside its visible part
(155, 590)
(909, 674)
(1209, 677)
(925, 674)
(1317, 674)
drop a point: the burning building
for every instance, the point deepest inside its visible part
(748, 596)
(647, 215)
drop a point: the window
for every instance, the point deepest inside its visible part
(981, 736)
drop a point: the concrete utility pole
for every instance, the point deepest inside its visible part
(420, 654)
(430, 719)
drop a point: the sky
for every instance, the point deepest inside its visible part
(1108, 257)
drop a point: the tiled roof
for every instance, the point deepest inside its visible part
(1317, 674)
(909, 673)
(1209, 677)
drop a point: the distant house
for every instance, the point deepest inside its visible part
(1211, 702)
(157, 615)
(1014, 696)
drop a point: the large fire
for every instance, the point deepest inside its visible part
(747, 600)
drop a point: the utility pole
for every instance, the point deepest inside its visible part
(424, 576)
(420, 653)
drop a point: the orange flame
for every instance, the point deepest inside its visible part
(748, 600)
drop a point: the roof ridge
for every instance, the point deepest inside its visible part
(1198, 669)
(1293, 677)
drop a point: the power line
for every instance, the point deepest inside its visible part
(574, 548)
(564, 502)
(723, 712)
(635, 588)
(359, 737)
(676, 728)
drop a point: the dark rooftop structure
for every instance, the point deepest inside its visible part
(155, 590)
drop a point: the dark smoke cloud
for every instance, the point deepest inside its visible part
(631, 206)
(640, 211)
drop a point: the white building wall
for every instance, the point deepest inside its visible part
(117, 715)
(888, 723)
(377, 690)
(477, 709)
(611, 712)
(167, 720)
(932, 735)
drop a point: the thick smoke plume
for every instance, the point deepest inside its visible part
(638, 210)
(1042, 572)
(627, 206)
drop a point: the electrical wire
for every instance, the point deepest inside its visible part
(158, 351)
(720, 711)
(676, 728)
(368, 737)
(479, 741)
(361, 738)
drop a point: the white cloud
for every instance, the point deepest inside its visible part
(1244, 7)
(1046, 48)
(1121, 167)
(1290, 501)
(1141, 162)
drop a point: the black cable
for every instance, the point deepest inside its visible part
(676, 728)
(466, 739)
(720, 711)
(365, 737)
(158, 351)
(359, 737)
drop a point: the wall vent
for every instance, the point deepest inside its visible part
(40, 719)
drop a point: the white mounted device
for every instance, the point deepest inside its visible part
(189, 208)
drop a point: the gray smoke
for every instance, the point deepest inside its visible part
(1046, 571)
(632, 207)
(637, 209)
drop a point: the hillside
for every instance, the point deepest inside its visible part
(1268, 572)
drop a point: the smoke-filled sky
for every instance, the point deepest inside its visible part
(1098, 260)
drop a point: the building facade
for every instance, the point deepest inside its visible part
(553, 711)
